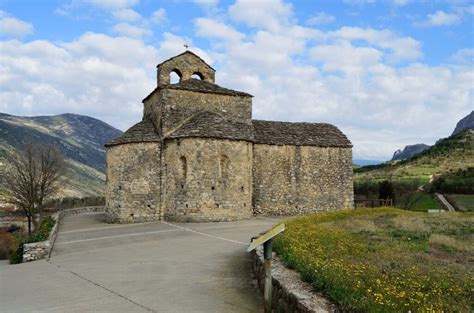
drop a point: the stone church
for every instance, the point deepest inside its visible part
(197, 155)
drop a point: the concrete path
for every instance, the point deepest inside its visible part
(445, 202)
(153, 267)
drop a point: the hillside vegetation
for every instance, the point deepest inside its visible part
(384, 260)
(447, 155)
(80, 139)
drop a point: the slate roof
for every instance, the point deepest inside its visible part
(193, 84)
(301, 134)
(212, 125)
(140, 132)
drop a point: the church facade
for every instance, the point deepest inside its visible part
(197, 155)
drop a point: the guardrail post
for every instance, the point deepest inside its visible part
(267, 254)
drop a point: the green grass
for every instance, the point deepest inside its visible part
(384, 260)
(466, 202)
(427, 202)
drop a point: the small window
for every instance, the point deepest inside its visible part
(175, 76)
(224, 166)
(184, 167)
(197, 75)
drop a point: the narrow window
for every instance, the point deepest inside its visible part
(175, 76)
(224, 166)
(184, 167)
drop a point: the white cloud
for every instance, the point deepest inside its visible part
(96, 75)
(158, 16)
(173, 45)
(206, 2)
(320, 18)
(13, 27)
(365, 2)
(440, 18)
(129, 30)
(401, 48)
(371, 83)
(111, 4)
(268, 14)
(400, 2)
(345, 57)
(213, 29)
(107, 5)
(464, 56)
(127, 15)
(368, 82)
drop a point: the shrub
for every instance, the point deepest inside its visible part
(15, 254)
(7, 244)
(42, 233)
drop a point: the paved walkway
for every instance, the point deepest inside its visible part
(445, 202)
(152, 267)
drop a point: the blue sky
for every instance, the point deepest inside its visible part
(388, 73)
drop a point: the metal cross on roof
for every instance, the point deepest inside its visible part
(186, 46)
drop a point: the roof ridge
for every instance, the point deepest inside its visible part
(289, 122)
(183, 53)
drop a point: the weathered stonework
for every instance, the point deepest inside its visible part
(197, 155)
(133, 183)
(207, 180)
(292, 180)
(184, 65)
(290, 293)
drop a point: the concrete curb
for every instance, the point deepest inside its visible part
(43, 249)
(290, 293)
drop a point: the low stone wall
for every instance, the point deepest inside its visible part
(290, 294)
(41, 250)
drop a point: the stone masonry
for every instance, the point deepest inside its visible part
(197, 155)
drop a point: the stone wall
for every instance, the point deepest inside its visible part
(291, 180)
(152, 109)
(207, 179)
(181, 104)
(41, 250)
(290, 294)
(185, 65)
(133, 182)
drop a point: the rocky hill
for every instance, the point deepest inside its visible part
(80, 138)
(409, 151)
(466, 123)
(447, 155)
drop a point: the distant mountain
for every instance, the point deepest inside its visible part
(447, 155)
(409, 151)
(80, 138)
(465, 123)
(362, 162)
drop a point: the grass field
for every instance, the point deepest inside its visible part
(466, 202)
(426, 202)
(384, 260)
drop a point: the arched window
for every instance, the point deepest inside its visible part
(184, 167)
(175, 76)
(224, 166)
(197, 75)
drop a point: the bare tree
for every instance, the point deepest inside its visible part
(32, 178)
